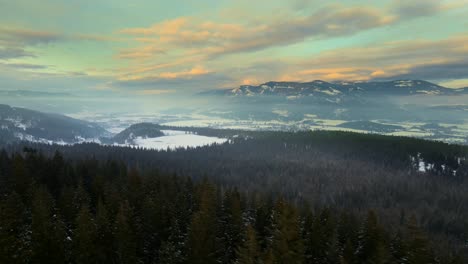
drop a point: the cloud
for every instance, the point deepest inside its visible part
(436, 71)
(416, 8)
(27, 36)
(140, 52)
(25, 66)
(14, 42)
(94, 37)
(154, 92)
(13, 35)
(217, 39)
(341, 73)
(412, 59)
(186, 74)
(165, 47)
(7, 53)
(196, 78)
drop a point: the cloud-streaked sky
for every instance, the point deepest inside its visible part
(152, 46)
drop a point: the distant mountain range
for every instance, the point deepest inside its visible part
(340, 89)
(29, 93)
(24, 124)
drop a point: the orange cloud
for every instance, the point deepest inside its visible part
(198, 70)
(195, 71)
(140, 53)
(168, 46)
(216, 39)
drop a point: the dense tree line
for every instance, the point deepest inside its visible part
(58, 210)
(355, 172)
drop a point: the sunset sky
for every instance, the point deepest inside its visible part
(153, 47)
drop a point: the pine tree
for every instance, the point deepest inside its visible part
(174, 249)
(230, 225)
(81, 197)
(125, 235)
(202, 236)
(48, 231)
(269, 257)
(5, 172)
(22, 182)
(134, 191)
(347, 237)
(418, 245)
(398, 248)
(66, 204)
(287, 244)
(249, 252)
(12, 231)
(55, 173)
(347, 254)
(372, 247)
(320, 237)
(263, 223)
(84, 240)
(104, 239)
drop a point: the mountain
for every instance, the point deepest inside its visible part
(28, 93)
(143, 130)
(371, 126)
(341, 89)
(24, 124)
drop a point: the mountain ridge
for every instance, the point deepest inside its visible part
(18, 123)
(30, 93)
(341, 88)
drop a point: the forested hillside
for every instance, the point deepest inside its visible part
(402, 181)
(57, 210)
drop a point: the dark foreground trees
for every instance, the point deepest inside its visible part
(58, 211)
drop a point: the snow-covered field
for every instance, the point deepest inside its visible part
(455, 132)
(175, 139)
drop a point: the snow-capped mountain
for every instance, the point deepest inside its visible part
(341, 89)
(24, 124)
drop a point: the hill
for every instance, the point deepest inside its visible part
(24, 124)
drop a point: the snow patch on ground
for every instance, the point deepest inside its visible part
(176, 140)
(404, 84)
(428, 92)
(174, 132)
(17, 122)
(283, 113)
(31, 138)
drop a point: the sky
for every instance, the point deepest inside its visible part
(153, 47)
